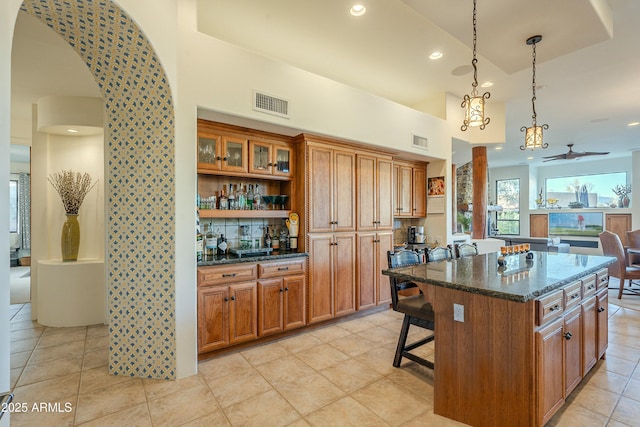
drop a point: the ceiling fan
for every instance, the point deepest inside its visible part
(573, 154)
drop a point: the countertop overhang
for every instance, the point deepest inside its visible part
(519, 280)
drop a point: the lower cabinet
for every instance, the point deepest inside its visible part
(550, 369)
(602, 310)
(241, 302)
(373, 287)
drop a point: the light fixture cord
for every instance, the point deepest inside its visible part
(474, 61)
(533, 86)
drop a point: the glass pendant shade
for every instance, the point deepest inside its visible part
(533, 137)
(474, 112)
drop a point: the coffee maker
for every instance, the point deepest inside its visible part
(415, 235)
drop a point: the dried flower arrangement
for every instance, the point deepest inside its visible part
(72, 188)
(621, 190)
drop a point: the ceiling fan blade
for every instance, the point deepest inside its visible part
(594, 153)
(558, 157)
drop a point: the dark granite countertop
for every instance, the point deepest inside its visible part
(518, 280)
(232, 259)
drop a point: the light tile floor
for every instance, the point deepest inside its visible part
(340, 374)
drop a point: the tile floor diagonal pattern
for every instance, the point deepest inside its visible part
(340, 374)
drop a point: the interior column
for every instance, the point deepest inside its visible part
(479, 199)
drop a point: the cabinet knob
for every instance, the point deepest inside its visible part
(568, 335)
(286, 289)
(220, 158)
(281, 290)
(554, 308)
(283, 268)
(233, 298)
(229, 275)
(574, 296)
(224, 158)
(601, 309)
(226, 299)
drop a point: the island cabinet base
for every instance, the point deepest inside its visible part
(485, 364)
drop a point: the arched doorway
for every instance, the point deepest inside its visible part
(139, 180)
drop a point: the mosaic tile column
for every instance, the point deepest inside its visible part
(140, 187)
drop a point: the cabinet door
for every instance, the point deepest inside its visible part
(320, 277)
(344, 199)
(234, 154)
(209, 149)
(367, 191)
(320, 189)
(589, 337)
(260, 158)
(384, 198)
(404, 190)
(282, 160)
(270, 311)
(213, 318)
(602, 310)
(572, 350)
(549, 367)
(619, 224)
(419, 194)
(384, 243)
(243, 312)
(294, 302)
(344, 262)
(539, 225)
(366, 267)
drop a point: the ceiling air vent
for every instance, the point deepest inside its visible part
(420, 142)
(270, 104)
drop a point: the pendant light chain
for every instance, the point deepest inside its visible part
(533, 87)
(533, 137)
(474, 61)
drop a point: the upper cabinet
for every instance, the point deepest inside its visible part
(410, 184)
(266, 158)
(221, 153)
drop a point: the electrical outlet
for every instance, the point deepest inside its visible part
(458, 312)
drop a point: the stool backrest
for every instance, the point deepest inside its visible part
(465, 249)
(439, 253)
(401, 258)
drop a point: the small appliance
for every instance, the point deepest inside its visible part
(411, 235)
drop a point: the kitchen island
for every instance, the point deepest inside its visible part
(513, 341)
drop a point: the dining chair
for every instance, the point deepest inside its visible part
(612, 246)
(633, 240)
(416, 309)
(439, 253)
(462, 250)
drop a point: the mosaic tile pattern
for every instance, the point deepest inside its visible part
(139, 140)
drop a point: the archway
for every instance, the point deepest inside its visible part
(139, 180)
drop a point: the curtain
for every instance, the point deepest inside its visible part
(24, 210)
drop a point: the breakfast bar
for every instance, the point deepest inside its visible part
(512, 341)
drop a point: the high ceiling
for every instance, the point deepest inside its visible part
(588, 75)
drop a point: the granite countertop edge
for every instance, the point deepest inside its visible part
(235, 260)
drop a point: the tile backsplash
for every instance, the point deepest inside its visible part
(230, 227)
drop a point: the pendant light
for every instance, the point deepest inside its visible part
(533, 136)
(474, 105)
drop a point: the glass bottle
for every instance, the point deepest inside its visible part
(257, 198)
(250, 197)
(211, 243)
(275, 240)
(199, 242)
(232, 197)
(267, 238)
(222, 245)
(241, 198)
(222, 201)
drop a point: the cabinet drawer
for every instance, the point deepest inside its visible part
(549, 307)
(227, 274)
(588, 286)
(281, 268)
(572, 295)
(602, 278)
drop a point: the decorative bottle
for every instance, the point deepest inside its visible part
(250, 197)
(222, 201)
(267, 238)
(257, 198)
(232, 197)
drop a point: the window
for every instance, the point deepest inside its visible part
(508, 196)
(13, 206)
(589, 191)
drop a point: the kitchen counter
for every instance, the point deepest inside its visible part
(519, 280)
(232, 259)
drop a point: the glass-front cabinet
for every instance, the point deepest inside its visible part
(269, 159)
(216, 153)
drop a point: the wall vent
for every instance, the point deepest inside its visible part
(420, 142)
(270, 104)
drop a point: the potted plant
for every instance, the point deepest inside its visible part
(622, 191)
(464, 219)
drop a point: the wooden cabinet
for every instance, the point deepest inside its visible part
(410, 185)
(375, 192)
(539, 225)
(331, 189)
(282, 299)
(373, 287)
(221, 153)
(241, 302)
(572, 333)
(619, 224)
(266, 158)
(227, 315)
(549, 367)
(602, 321)
(589, 326)
(332, 275)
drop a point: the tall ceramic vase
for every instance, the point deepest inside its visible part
(70, 238)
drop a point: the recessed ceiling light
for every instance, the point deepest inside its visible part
(358, 10)
(72, 130)
(435, 55)
(530, 158)
(633, 124)
(499, 147)
(486, 84)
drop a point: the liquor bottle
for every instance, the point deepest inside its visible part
(211, 242)
(232, 197)
(267, 239)
(222, 201)
(250, 197)
(199, 242)
(257, 198)
(275, 240)
(241, 198)
(222, 245)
